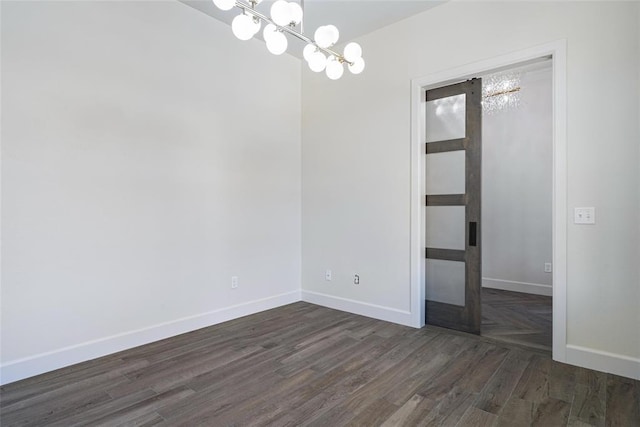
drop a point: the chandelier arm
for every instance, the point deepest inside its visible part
(247, 8)
(502, 92)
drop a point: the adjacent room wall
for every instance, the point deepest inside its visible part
(356, 161)
(517, 168)
(147, 156)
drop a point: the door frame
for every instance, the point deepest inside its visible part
(557, 50)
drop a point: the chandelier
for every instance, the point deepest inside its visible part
(501, 92)
(285, 17)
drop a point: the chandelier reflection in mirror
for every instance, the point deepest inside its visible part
(285, 18)
(500, 92)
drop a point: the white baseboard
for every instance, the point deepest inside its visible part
(45, 362)
(358, 307)
(603, 361)
(510, 285)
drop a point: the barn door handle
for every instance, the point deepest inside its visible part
(473, 226)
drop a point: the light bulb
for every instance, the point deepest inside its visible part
(322, 37)
(334, 34)
(308, 51)
(334, 69)
(296, 13)
(317, 62)
(242, 27)
(326, 36)
(357, 67)
(352, 51)
(281, 13)
(224, 4)
(277, 43)
(269, 31)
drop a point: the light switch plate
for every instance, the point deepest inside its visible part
(584, 215)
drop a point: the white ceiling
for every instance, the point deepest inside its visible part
(353, 18)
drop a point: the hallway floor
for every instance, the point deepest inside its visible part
(517, 318)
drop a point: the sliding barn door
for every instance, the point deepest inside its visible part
(453, 264)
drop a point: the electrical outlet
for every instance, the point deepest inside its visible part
(584, 215)
(356, 279)
(547, 267)
(327, 275)
(234, 282)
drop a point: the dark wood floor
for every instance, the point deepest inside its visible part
(517, 318)
(306, 365)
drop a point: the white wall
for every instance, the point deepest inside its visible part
(517, 167)
(356, 159)
(147, 156)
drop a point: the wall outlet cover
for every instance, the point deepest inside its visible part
(584, 215)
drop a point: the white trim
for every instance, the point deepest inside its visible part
(514, 286)
(418, 190)
(358, 307)
(603, 361)
(558, 51)
(49, 361)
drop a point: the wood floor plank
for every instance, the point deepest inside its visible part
(241, 370)
(577, 423)
(516, 412)
(419, 415)
(52, 384)
(48, 412)
(251, 405)
(415, 379)
(326, 362)
(501, 386)
(623, 402)
(439, 354)
(144, 407)
(302, 358)
(216, 400)
(534, 383)
(102, 411)
(402, 414)
(589, 402)
(374, 414)
(475, 417)
(551, 412)
(450, 408)
(562, 382)
(168, 374)
(483, 357)
(147, 420)
(308, 365)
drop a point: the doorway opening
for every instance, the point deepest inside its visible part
(557, 52)
(517, 170)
